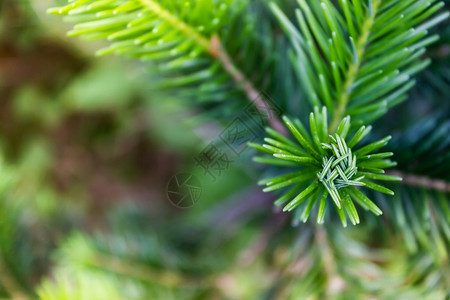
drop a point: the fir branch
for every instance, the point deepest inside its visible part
(423, 153)
(354, 66)
(421, 217)
(253, 95)
(358, 58)
(137, 35)
(325, 165)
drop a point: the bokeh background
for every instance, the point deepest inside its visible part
(87, 146)
(87, 151)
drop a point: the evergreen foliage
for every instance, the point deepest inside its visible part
(358, 58)
(187, 45)
(331, 166)
(340, 72)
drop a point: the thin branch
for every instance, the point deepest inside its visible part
(140, 272)
(250, 91)
(422, 181)
(335, 283)
(273, 225)
(440, 53)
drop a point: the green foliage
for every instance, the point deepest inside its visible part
(192, 48)
(175, 38)
(422, 215)
(327, 165)
(434, 82)
(323, 261)
(149, 29)
(358, 58)
(97, 134)
(340, 57)
(78, 286)
(345, 268)
(424, 148)
(131, 262)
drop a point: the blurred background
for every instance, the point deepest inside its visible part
(88, 152)
(87, 146)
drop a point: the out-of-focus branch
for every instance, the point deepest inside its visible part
(422, 181)
(250, 91)
(335, 282)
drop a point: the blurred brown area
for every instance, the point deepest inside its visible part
(38, 60)
(29, 58)
(82, 141)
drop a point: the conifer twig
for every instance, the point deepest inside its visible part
(422, 181)
(335, 283)
(250, 91)
(144, 273)
(272, 227)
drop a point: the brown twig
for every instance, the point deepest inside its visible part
(250, 91)
(214, 47)
(273, 225)
(143, 273)
(336, 283)
(422, 181)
